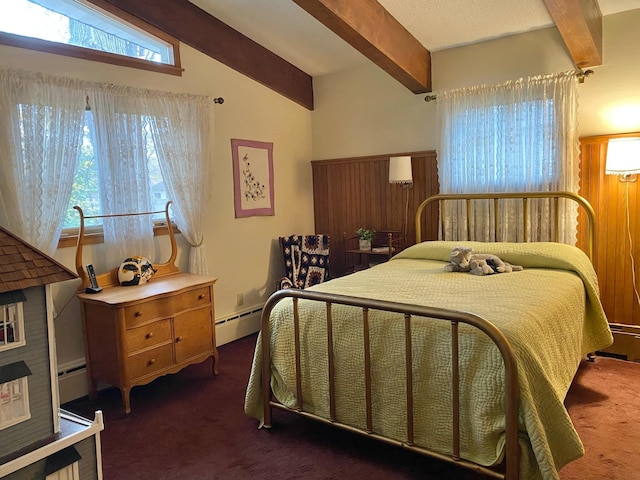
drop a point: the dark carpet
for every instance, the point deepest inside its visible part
(192, 426)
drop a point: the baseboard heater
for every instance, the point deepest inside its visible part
(238, 325)
(72, 380)
(626, 341)
(69, 370)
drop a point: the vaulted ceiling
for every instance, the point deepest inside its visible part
(368, 27)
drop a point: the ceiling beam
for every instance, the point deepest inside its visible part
(370, 29)
(198, 29)
(580, 24)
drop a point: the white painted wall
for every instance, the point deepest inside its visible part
(610, 99)
(364, 111)
(243, 253)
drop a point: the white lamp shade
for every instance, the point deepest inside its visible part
(623, 156)
(400, 170)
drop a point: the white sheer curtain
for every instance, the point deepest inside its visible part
(519, 136)
(182, 130)
(41, 120)
(41, 130)
(120, 147)
(131, 125)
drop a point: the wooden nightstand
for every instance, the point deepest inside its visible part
(384, 245)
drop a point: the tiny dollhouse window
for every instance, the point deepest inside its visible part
(11, 320)
(63, 465)
(14, 394)
(70, 472)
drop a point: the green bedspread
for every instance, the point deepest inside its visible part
(550, 312)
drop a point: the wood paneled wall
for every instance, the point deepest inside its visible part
(608, 196)
(355, 192)
(350, 193)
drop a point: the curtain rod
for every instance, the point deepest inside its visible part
(219, 100)
(580, 74)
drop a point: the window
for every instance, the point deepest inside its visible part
(509, 161)
(78, 28)
(11, 320)
(14, 396)
(517, 136)
(86, 192)
(131, 128)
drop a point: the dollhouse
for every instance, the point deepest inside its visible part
(38, 440)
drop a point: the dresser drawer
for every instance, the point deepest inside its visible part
(150, 361)
(148, 335)
(166, 307)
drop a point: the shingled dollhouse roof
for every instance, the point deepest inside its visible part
(23, 266)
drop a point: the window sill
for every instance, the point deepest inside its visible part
(93, 238)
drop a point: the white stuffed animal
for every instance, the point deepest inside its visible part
(462, 260)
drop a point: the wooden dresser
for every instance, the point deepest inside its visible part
(135, 334)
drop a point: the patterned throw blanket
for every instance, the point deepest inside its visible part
(306, 260)
(550, 312)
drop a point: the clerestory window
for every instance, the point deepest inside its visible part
(80, 28)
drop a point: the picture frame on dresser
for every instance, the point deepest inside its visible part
(136, 334)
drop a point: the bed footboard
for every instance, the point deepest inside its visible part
(455, 318)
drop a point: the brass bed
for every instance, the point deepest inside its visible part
(435, 362)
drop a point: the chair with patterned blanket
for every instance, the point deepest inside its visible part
(306, 260)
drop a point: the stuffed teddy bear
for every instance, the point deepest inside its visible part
(462, 260)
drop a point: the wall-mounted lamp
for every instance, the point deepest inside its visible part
(623, 158)
(400, 172)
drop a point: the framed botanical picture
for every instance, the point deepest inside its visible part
(252, 177)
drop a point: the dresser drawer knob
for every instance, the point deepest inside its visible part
(137, 314)
(201, 296)
(178, 339)
(152, 361)
(149, 335)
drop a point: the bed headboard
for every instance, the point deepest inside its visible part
(583, 204)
